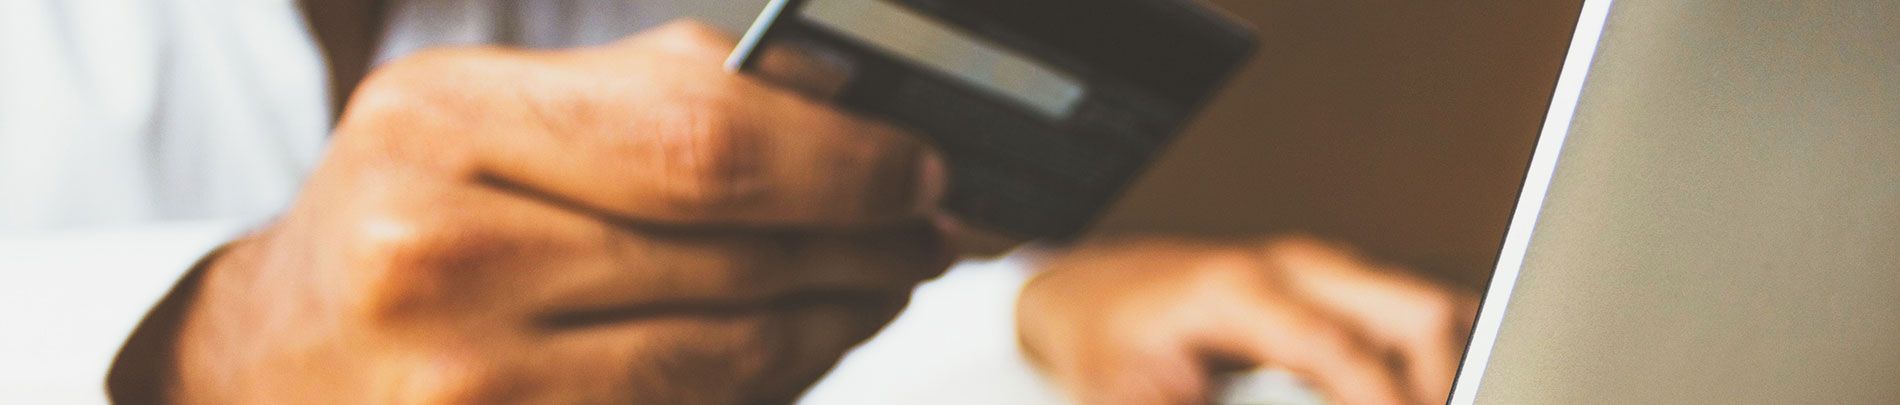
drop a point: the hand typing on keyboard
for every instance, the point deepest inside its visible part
(1159, 321)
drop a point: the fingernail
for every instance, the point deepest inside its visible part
(933, 181)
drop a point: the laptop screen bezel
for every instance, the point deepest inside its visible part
(1530, 201)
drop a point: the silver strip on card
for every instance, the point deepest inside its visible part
(925, 41)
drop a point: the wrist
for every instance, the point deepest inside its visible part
(146, 369)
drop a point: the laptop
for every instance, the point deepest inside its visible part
(1712, 214)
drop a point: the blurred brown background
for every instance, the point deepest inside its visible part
(1402, 127)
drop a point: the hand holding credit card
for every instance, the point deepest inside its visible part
(1044, 109)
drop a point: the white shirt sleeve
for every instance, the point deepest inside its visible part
(119, 120)
(954, 344)
(68, 300)
(125, 112)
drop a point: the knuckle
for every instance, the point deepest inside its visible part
(1228, 268)
(398, 105)
(408, 84)
(385, 245)
(385, 100)
(1433, 319)
(1465, 308)
(692, 34)
(1438, 320)
(1430, 306)
(455, 380)
(1450, 312)
(1440, 309)
(709, 161)
(403, 262)
(882, 168)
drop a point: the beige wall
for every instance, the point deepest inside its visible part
(1400, 126)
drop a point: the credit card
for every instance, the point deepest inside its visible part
(1045, 110)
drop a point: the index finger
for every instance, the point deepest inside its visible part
(1425, 322)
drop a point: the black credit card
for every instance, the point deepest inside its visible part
(1044, 110)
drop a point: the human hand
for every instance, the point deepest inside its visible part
(1155, 321)
(622, 224)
